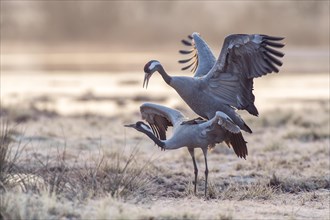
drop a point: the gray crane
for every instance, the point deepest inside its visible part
(228, 85)
(202, 58)
(202, 134)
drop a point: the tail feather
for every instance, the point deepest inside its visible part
(252, 109)
(246, 128)
(237, 142)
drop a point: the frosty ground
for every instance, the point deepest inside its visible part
(68, 154)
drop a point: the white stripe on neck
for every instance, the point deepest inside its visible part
(153, 65)
(146, 128)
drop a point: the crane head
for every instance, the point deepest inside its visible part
(140, 126)
(149, 69)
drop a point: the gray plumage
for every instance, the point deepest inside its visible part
(200, 134)
(202, 58)
(228, 85)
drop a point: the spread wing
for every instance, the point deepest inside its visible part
(230, 89)
(202, 59)
(250, 56)
(242, 58)
(160, 117)
(234, 137)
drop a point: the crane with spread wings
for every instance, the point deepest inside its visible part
(225, 84)
(202, 134)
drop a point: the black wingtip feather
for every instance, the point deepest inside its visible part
(273, 38)
(186, 60)
(274, 52)
(247, 128)
(185, 51)
(275, 69)
(194, 64)
(185, 42)
(252, 110)
(273, 44)
(187, 67)
(239, 145)
(273, 59)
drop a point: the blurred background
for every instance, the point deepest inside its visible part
(71, 77)
(123, 36)
(86, 57)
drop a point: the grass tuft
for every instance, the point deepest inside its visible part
(113, 174)
(9, 155)
(273, 146)
(253, 191)
(296, 185)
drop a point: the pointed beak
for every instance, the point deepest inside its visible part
(130, 125)
(146, 79)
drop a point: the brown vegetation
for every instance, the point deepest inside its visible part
(56, 175)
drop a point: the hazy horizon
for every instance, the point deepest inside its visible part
(122, 36)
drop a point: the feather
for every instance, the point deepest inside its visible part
(271, 66)
(274, 52)
(265, 66)
(273, 44)
(187, 67)
(237, 142)
(154, 129)
(161, 124)
(273, 38)
(276, 61)
(186, 51)
(187, 60)
(185, 42)
(195, 67)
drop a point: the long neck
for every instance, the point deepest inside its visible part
(154, 138)
(165, 76)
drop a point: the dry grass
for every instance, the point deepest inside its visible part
(38, 186)
(302, 184)
(65, 186)
(88, 166)
(116, 183)
(9, 156)
(254, 191)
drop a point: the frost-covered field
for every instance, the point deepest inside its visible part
(69, 156)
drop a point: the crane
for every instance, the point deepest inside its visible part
(202, 134)
(228, 85)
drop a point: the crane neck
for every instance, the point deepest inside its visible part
(165, 76)
(154, 138)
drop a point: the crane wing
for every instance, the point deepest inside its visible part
(202, 59)
(237, 142)
(230, 89)
(242, 58)
(160, 117)
(225, 122)
(234, 136)
(250, 56)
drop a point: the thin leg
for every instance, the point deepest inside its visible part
(206, 169)
(192, 153)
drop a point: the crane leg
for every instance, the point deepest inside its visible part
(206, 169)
(192, 153)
